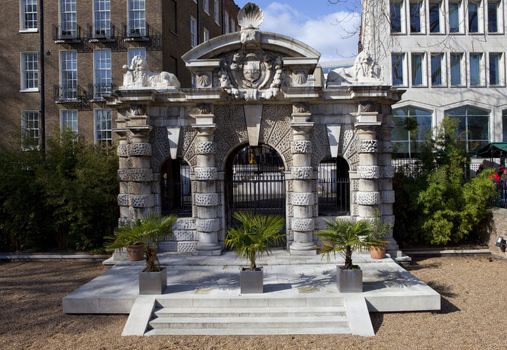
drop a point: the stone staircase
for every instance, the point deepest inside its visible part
(250, 315)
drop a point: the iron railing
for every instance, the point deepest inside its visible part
(69, 94)
(101, 90)
(137, 34)
(66, 33)
(101, 34)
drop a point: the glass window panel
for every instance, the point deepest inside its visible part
(415, 17)
(397, 69)
(411, 127)
(216, 11)
(68, 18)
(417, 69)
(435, 17)
(436, 69)
(103, 125)
(102, 18)
(494, 68)
(473, 126)
(29, 14)
(206, 6)
(68, 74)
(456, 60)
(30, 70)
(30, 128)
(473, 18)
(68, 120)
(395, 17)
(103, 73)
(136, 17)
(454, 17)
(193, 32)
(475, 69)
(493, 17)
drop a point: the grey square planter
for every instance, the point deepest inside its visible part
(349, 281)
(152, 282)
(251, 281)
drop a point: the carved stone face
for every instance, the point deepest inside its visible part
(252, 71)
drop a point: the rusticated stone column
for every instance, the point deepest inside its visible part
(302, 175)
(386, 177)
(206, 198)
(135, 166)
(122, 152)
(368, 172)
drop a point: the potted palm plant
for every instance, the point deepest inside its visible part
(254, 236)
(378, 233)
(345, 237)
(148, 231)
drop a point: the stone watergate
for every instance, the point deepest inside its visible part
(254, 88)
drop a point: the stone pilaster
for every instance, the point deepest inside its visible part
(368, 197)
(386, 179)
(206, 198)
(122, 152)
(302, 197)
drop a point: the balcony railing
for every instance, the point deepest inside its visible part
(66, 34)
(70, 94)
(101, 34)
(137, 34)
(100, 91)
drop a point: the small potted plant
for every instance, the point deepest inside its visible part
(345, 237)
(378, 233)
(148, 231)
(254, 236)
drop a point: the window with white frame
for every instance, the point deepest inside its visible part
(193, 32)
(475, 18)
(68, 120)
(103, 73)
(102, 18)
(205, 34)
(435, 16)
(103, 126)
(216, 11)
(68, 74)
(68, 18)
(494, 16)
(411, 127)
(227, 27)
(28, 15)
(476, 69)
(397, 16)
(135, 51)
(457, 69)
(205, 5)
(437, 75)
(398, 69)
(136, 18)
(473, 126)
(496, 71)
(456, 23)
(30, 132)
(418, 69)
(416, 9)
(29, 71)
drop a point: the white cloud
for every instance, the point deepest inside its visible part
(334, 35)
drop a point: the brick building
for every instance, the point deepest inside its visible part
(60, 58)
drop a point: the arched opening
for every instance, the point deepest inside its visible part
(333, 187)
(175, 188)
(254, 182)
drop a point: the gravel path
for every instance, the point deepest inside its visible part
(473, 316)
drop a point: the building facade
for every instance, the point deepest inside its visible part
(449, 56)
(63, 57)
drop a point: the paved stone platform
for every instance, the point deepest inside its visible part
(387, 286)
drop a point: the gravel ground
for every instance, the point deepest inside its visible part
(473, 316)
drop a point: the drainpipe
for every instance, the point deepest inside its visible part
(42, 87)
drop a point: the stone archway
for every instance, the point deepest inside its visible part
(254, 182)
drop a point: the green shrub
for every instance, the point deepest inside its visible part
(65, 198)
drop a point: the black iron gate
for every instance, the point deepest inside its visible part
(175, 188)
(255, 182)
(333, 187)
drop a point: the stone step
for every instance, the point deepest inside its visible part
(249, 322)
(249, 331)
(252, 311)
(249, 302)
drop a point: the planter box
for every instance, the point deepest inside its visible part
(349, 281)
(251, 281)
(152, 282)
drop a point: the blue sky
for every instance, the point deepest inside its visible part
(329, 28)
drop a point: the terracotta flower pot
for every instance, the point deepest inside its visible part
(378, 252)
(135, 252)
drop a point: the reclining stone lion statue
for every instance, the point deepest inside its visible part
(138, 75)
